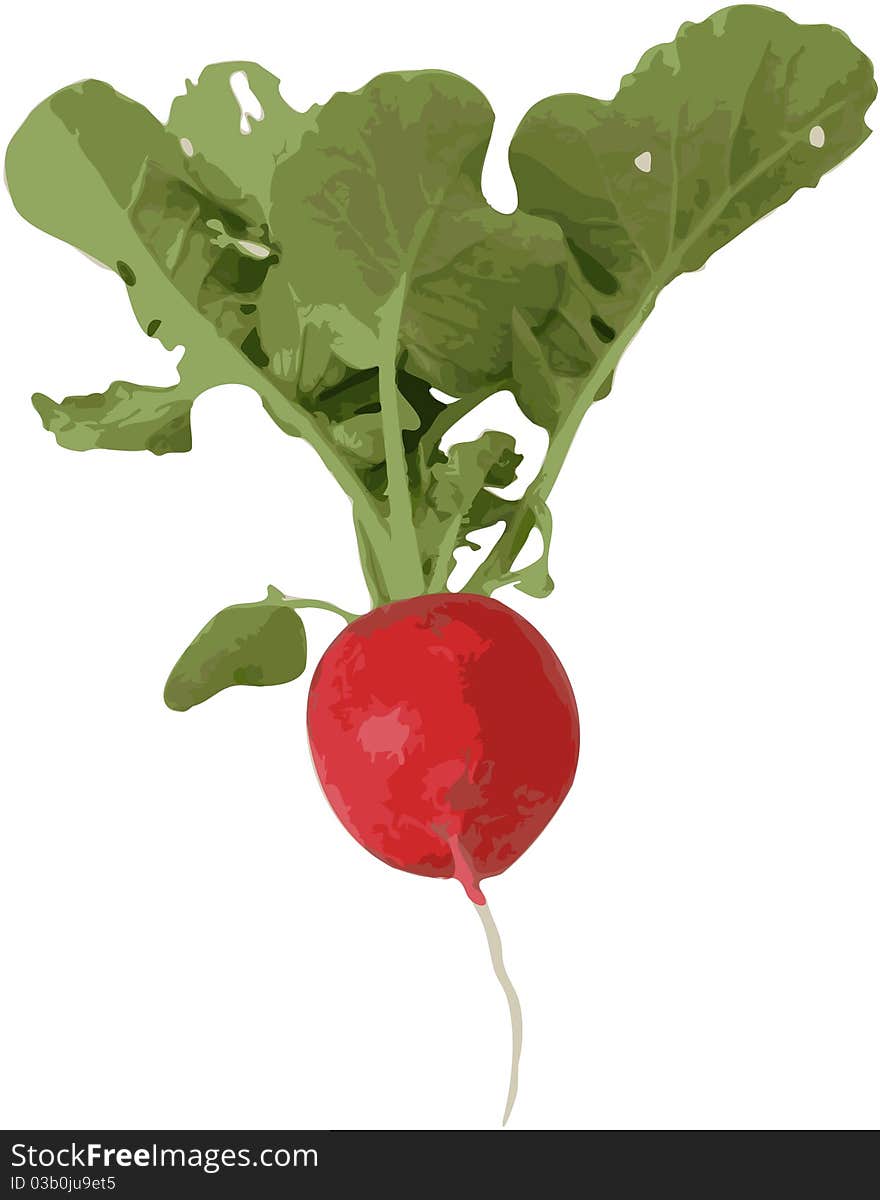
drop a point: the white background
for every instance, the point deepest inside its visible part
(191, 939)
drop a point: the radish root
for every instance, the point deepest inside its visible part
(494, 940)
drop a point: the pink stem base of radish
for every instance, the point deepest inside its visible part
(464, 870)
(494, 940)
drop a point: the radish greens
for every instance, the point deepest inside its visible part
(344, 263)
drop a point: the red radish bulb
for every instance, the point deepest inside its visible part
(445, 735)
(444, 732)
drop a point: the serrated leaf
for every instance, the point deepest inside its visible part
(490, 460)
(124, 417)
(182, 214)
(707, 135)
(451, 507)
(255, 645)
(99, 171)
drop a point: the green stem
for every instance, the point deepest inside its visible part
(444, 561)
(371, 568)
(492, 571)
(403, 563)
(300, 602)
(294, 419)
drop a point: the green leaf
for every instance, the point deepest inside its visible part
(236, 169)
(124, 417)
(447, 514)
(256, 645)
(182, 214)
(488, 461)
(709, 133)
(543, 395)
(189, 239)
(97, 170)
(383, 205)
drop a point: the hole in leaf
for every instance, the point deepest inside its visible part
(643, 162)
(817, 137)
(248, 103)
(442, 396)
(255, 248)
(187, 147)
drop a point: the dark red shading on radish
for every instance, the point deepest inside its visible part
(445, 734)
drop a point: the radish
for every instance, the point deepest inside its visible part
(344, 264)
(445, 735)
